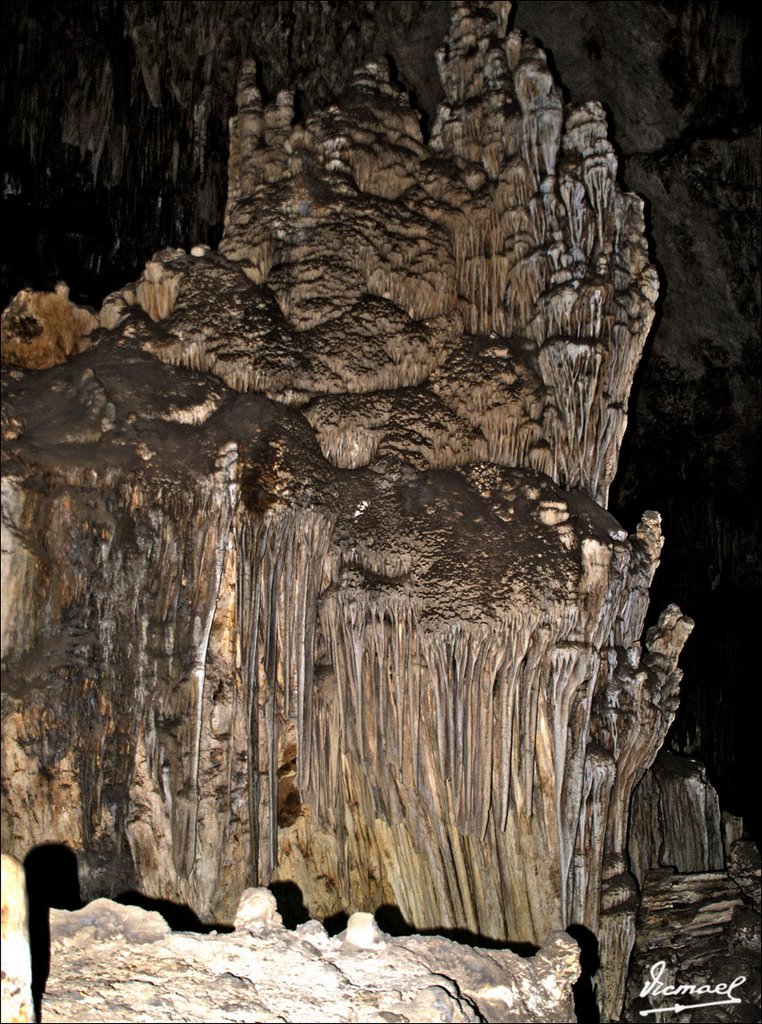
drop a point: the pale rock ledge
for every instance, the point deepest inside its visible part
(115, 963)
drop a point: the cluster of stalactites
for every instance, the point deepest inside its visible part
(533, 203)
(474, 719)
(486, 733)
(510, 215)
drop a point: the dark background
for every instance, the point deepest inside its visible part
(114, 135)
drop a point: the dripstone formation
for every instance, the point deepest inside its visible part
(307, 569)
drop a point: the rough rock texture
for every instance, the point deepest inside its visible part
(41, 329)
(675, 819)
(112, 77)
(115, 963)
(16, 990)
(307, 569)
(504, 222)
(117, 144)
(698, 930)
(682, 83)
(180, 628)
(744, 869)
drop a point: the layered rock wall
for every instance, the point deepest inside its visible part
(675, 819)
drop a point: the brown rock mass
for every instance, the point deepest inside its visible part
(307, 570)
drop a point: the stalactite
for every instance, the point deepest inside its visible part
(320, 519)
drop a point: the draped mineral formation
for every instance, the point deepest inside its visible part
(306, 564)
(675, 819)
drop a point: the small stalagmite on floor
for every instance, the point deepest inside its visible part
(17, 1002)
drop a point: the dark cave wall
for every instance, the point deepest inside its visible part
(115, 144)
(681, 82)
(116, 116)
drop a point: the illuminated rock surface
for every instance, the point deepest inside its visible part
(16, 990)
(115, 963)
(307, 569)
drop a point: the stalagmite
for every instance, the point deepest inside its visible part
(257, 910)
(307, 569)
(17, 1000)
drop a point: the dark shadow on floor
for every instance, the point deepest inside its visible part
(290, 901)
(585, 1005)
(178, 916)
(52, 880)
(391, 920)
(336, 923)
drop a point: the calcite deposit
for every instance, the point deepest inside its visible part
(115, 963)
(675, 819)
(307, 569)
(15, 955)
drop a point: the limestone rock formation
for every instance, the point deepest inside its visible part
(744, 869)
(307, 569)
(16, 991)
(698, 938)
(675, 819)
(115, 144)
(41, 329)
(681, 82)
(116, 963)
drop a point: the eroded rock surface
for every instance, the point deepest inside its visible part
(17, 1003)
(675, 819)
(116, 963)
(696, 931)
(307, 570)
(41, 329)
